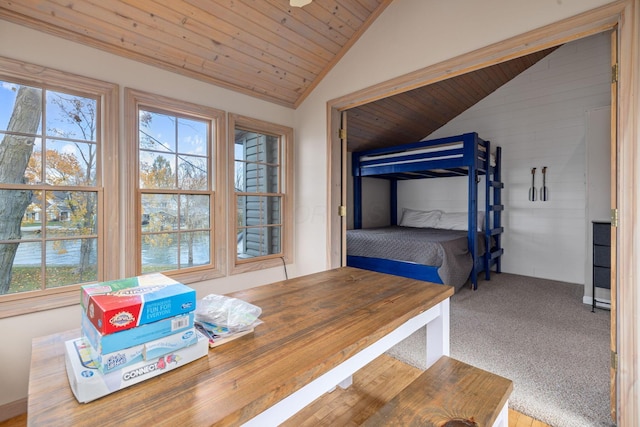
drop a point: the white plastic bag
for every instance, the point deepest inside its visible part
(227, 313)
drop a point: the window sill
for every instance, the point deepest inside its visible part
(22, 304)
(263, 264)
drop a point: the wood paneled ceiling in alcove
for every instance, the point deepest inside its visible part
(413, 115)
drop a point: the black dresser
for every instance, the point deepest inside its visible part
(601, 261)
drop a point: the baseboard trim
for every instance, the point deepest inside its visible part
(13, 409)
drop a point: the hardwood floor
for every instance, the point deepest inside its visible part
(516, 419)
(19, 421)
(372, 387)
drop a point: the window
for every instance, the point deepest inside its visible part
(61, 189)
(56, 177)
(176, 207)
(261, 209)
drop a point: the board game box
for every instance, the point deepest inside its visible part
(88, 383)
(128, 303)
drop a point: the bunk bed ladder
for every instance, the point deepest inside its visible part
(475, 168)
(493, 217)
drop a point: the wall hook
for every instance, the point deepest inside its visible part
(544, 191)
(533, 191)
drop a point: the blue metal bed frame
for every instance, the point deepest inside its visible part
(472, 159)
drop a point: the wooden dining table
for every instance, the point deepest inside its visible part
(317, 331)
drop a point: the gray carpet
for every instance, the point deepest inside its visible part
(539, 334)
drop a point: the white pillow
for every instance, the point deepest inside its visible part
(480, 220)
(421, 219)
(458, 221)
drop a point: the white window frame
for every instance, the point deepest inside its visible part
(134, 101)
(108, 219)
(238, 266)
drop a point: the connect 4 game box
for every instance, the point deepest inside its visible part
(88, 383)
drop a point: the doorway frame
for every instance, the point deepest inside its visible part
(623, 14)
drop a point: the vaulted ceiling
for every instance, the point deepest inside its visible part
(262, 48)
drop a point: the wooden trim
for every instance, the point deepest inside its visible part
(577, 27)
(628, 231)
(334, 190)
(13, 409)
(626, 15)
(133, 100)
(287, 167)
(37, 301)
(343, 195)
(613, 142)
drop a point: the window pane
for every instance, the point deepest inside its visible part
(31, 225)
(256, 178)
(160, 211)
(256, 147)
(192, 137)
(28, 115)
(259, 241)
(71, 213)
(192, 173)
(33, 172)
(13, 205)
(194, 249)
(157, 132)
(259, 210)
(157, 170)
(71, 163)
(26, 273)
(159, 252)
(71, 261)
(194, 212)
(239, 177)
(20, 111)
(70, 116)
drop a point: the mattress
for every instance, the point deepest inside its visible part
(447, 250)
(427, 150)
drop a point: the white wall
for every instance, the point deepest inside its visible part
(539, 119)
(409, 35)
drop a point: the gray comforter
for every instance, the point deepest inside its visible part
(446, 249)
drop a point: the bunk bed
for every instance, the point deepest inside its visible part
(429, 252)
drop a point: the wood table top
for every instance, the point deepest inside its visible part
(311, 324)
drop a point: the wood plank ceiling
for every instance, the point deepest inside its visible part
(414, 115)
(262, 48)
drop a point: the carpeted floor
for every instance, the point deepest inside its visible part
(539, 334)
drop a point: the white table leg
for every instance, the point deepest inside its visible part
(438, 335)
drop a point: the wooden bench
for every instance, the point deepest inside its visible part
(449, 394)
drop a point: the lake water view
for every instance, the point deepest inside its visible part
(67, 252)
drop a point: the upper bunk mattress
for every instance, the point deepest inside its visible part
(448, 250)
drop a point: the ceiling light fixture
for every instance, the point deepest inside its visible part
(299, 3)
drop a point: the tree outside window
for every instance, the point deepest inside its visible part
(49, 187)
(175, 206)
